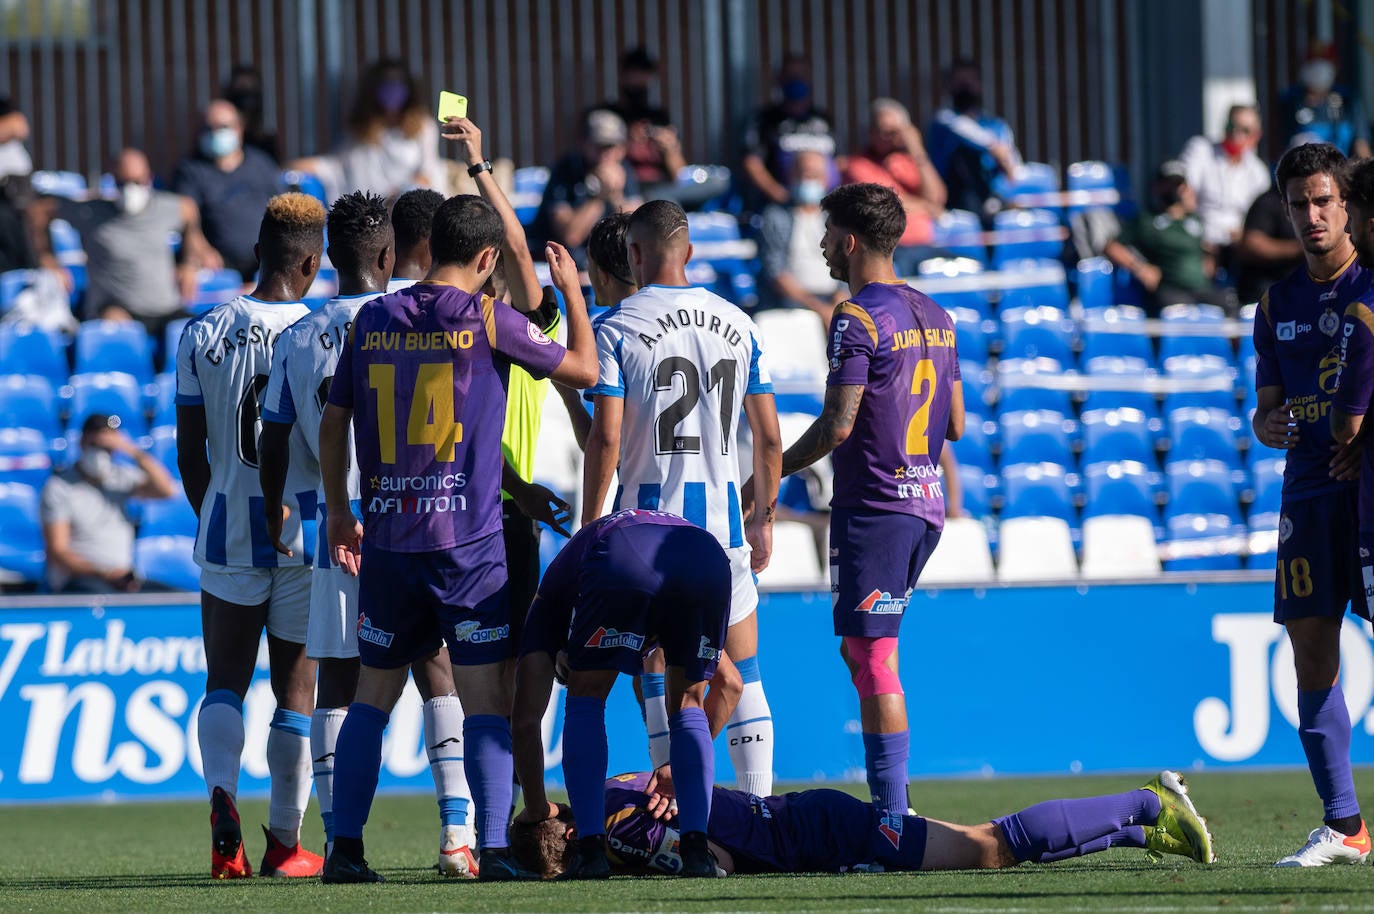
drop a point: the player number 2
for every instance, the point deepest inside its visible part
(1297, 577)
(430, 418)
(918, 429)
(722, 374)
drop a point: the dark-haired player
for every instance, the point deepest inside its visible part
(677, 363)
(892, 398)
(1297, 361)
(412, 218)
(831, 831)
(303, 364)
(223, 360)
(422, 380)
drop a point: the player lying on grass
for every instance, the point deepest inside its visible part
(622, 583)
(831, 831)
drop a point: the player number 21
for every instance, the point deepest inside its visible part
(431, 418)
(918, 429)
(1297, 577)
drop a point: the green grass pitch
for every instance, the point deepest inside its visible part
(155, 857)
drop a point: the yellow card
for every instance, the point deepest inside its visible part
(452, 105)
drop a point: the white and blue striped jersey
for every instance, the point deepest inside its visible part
(683, 359)
(223, 361)
(396, 285)
(303, 364)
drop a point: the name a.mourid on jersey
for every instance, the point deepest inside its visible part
(473, 633)
(688, 318)
(882, 603)
(426, 504)
(609, 637)
(366, 632)
(434, 340)
(252, 335)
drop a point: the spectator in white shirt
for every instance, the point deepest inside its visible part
(1227, 177)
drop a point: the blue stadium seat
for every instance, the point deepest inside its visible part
(167, 560)
(69, 184)
(1038, 490)
(1032, 183)
(1194, 330)
(167, 516)
(1087, 178)
(1038, 333)
(1117, 434)
(1038, 282)
(1120, 487)
(1203, 434)
(969, 335)
(978, 385)
(215, 287)
(305, 183)
(975, 447)
(114, 346)
(1203, 542)
(1117, 331)
(1202, 487)
(1026, 233)
(961, 233)
(164, 448)
(527, 191)
(1036, 436)
(31, 351)
(171, 339)
(163, 405)
(29, 401)
(25, 457)
(111, 392)
(12, 283)
(1019, 381)
(1096, 290)
(977, 486)
(1267, 476)
(1213, 377)
(716, 237)
(21, 548)
(1124, 375)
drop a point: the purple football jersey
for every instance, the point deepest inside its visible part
(1297, 347)
(899, 346)
(425, 373)
(1355, 388)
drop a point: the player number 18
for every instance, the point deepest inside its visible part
(1297, 576)
(431, 418)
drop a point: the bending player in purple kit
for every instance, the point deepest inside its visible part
(621, 583)
(422, 379)
(830, 831)
(1297, 357)
(892, 398)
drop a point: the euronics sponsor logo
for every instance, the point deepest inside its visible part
(433, 482)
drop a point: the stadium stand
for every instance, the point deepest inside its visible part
(1035, 549)
(21, 548)
(167, 560)
(963, 555)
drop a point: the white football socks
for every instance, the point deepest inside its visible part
(219, 730)
(288, 764)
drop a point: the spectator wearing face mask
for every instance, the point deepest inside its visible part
(784, 130)
(393, 142)
(793, 271)
(129, 257)
(1317, 110)
(87, 533)
(973, 150)
(230, 183)
(1227, 177)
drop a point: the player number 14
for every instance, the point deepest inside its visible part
(431, 418)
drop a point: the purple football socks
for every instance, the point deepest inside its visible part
(886, 756)
(1324, 728)
(689, 752)
(1058, 829)
(490, 770)
(584, 762)
(357, 764)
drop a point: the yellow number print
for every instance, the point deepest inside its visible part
(431, 418)
(918, 429)
(1299, 572)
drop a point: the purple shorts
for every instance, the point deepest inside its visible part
(1319, 561)
(625, 603)
(875, 559)
(410, 603)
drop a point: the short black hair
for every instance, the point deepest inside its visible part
(1357, 184)
(870, 211)
(663, 218)
(412, 216)
(1307, 160)
(359, 228)
(606, 247)
(464, 225)
(638, 58)
(292, 228)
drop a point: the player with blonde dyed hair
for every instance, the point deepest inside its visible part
(223, 361)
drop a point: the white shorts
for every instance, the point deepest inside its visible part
(744, 591)
(286, 591)
(333, 633)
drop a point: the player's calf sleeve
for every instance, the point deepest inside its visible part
(885, 757)
(655, 717)
(750, 733)
(584, 762)
(443, 717)
(288, 764)
(693, 767)
(489, 767)
(219, 730)
(324, 735)
(1057, 829)
(357, 764)
(1324, 728)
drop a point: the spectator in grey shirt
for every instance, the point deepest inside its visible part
(86, 530)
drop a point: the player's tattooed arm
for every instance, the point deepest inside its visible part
(829, 431)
